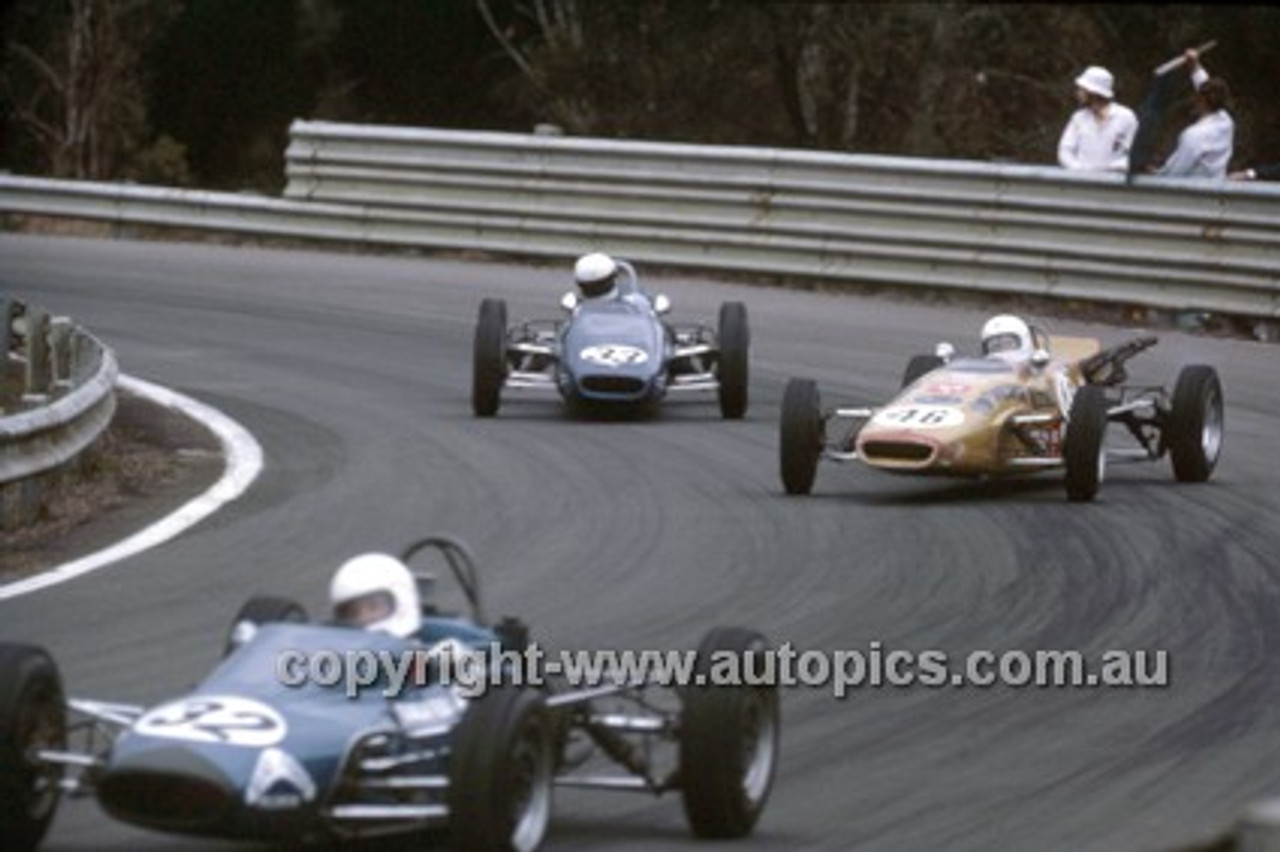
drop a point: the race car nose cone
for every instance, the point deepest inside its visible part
(170, 789)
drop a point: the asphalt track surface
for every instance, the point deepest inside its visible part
(353, 373)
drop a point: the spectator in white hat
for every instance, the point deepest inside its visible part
(1100, 133)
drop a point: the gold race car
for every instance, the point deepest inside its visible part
(1030, 403)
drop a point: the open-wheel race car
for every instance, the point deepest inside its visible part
(614, 350)
(1030, 403)
(249, 754)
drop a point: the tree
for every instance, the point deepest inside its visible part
(149, 88)
(73, 79)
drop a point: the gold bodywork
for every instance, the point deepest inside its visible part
(977, 416)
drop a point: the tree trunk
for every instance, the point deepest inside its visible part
(922, 137)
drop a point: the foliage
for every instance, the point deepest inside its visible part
(202, 91)
(73, 81)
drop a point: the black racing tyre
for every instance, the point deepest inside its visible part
(489, 358)
(918, 366)
(1194, 430)
(735, 347)
(260, 610)
(729, 736)
(501, 772)
(1082, 452)
(801, 435)
(32, 715)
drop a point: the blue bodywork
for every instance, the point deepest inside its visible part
(243, 755)
(614, 350)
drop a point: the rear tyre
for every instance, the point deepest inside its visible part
(918, 366)
(728, 738)
(501, 772)
(735, 346)
(1194, 433)
(32, 716)
(260, 610)
(801, 435)
(1082, 452)
(489, 358)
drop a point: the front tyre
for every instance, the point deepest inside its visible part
(501, 772)
(1082, 452)
(801, 435)
(735, 346)
(32, 717)
(1194, 431)
(728, 737)
(489, 358)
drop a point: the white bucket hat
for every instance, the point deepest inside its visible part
(1097, 81)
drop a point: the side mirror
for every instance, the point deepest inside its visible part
(661, 304)
(945, 351)
(1040, 358)
(569, 301)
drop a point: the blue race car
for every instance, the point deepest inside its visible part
(616, 351)
(247, 754)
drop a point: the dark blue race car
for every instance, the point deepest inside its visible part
(251, 754)
(616, 351)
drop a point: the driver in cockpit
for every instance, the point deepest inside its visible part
(597, 276)
(377, 592)
(1008, 338)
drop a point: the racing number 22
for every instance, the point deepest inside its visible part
(234, 721)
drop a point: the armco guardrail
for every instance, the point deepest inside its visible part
(59, 397)
(1027, 229)
(1178, 244)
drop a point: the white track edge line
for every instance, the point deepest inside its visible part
(243, 463)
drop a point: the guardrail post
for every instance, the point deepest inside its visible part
(60, 329)
(1258, 829)
(10, 372)
(37, 340)
(8, 308)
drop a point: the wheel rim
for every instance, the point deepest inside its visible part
(531, 798)
(1211, 431)
(1102, 463)
(760, 730)
(41, 728)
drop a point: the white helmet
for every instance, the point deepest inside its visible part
(1007, 337)
(596, 274)
(1097, 81)
(377, 592)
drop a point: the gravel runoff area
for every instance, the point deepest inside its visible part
(149, 461)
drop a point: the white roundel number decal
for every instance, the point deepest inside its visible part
(921, 416)
(229, 720)
(614, 355)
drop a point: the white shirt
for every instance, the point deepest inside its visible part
(1098, 144)
(1204, 148)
